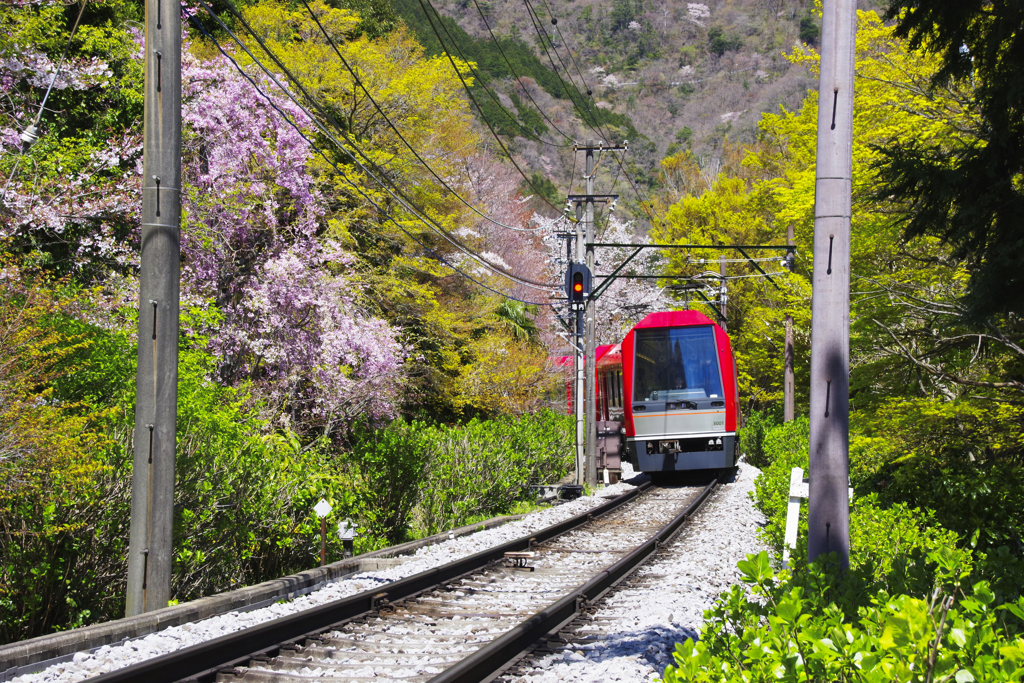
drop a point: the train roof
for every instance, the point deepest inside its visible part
(610, 354)
(674, 319)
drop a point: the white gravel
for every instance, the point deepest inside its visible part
(640, 623)
(108, 658)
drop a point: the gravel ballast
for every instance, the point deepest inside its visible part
(635, 628)
(109, 658)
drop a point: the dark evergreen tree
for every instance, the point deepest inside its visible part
(969, 195)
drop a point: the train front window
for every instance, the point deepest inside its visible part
(676, 363)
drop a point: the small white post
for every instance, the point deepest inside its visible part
(797, 492)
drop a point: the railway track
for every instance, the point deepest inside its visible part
(463, 621)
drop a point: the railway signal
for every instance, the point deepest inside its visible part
(577, 283)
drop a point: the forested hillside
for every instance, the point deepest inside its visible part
(685, 75)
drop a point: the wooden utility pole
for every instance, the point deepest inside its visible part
(789, 380)
(156, 404)
(829, 508)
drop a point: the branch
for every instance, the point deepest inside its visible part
(942, 374)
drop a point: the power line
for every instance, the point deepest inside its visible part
(390, 188)
(543, 39)
(645, 203)
(579, 72)
(393, 127)
(543, 35)
(30, 134)
(395, 192)
(517, 76)
(425, 4)
(341, 172)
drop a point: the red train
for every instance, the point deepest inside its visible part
(667, 396)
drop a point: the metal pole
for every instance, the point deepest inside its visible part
(577, 395)
(156, 406)
(723, 291)
(591, 331)
(323, 541)
(789, 380)
(829, 508)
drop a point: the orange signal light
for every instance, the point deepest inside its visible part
(578, 287)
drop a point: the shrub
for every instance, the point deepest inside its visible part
(486, 467)
(411, 474)
(719, 42)
(809, 30)
(785, 447)
(242, 500)
(821, 626)
(755, 427)
(388, 465)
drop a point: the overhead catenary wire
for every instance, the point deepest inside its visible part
(359, 81)
(543, 40)
(345, 177)
(390, 188)
(518, 78)
(427, 8)
(395, 192)
(645, 202)
(572, 57)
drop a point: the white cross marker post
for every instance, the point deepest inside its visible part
(798, 491)
(322, 509)
(347, 534)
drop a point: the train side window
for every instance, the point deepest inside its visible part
(604, 395)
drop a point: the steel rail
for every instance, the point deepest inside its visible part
(196, 660)
(491, 659)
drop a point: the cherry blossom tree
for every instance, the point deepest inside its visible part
(253, 246)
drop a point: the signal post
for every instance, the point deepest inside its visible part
(587, 230)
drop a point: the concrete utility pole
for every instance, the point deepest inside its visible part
(585, 238)
(156, 406)
(591, 329)
(789, 381)
(578, 392)
(829, 508)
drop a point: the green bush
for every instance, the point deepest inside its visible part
(785, 447)
(880, 536)
(820, 626)
(486, 467)
(755, 427)
(242, 499)
(411, 475)
(719, 42)
(388, 465)
(809, 31)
